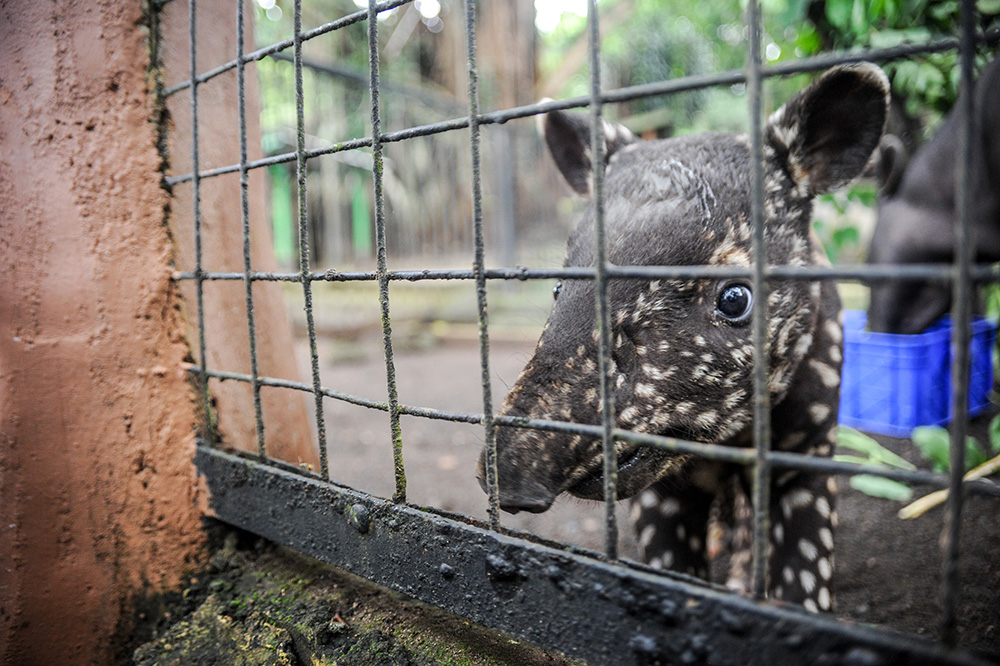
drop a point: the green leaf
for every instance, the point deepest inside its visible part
(877, 486)
(994, 430)
(838, 12)
(852, 459)
(809, 40)
(933, 444)
(864, 194)
(974, 456)
(849, 438)
(988, 6)
(845, 236)
(859, 19)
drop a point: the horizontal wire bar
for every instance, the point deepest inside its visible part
(719, 452)
(429, 98)
(382, 406)
(262, 53)
(809, 64)
(748, 456)
(686, 83)
(283, 158)
(873, 273)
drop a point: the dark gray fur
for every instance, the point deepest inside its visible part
(916, 211)
(681, 368)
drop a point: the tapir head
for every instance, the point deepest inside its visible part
(682, 353)
(908, 232)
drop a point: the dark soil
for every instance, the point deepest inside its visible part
(889, 571)
(258, 603)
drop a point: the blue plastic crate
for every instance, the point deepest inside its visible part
(893, 383)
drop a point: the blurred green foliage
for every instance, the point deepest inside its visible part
(934, 445)
(927, 83)
(835, 224)
(866, 450)
(664, 39)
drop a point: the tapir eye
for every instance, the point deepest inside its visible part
(556, 289)
(735, 303)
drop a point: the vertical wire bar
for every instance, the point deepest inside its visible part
(245, 219)
(199, 275)
(381, 270)
(601, 287)
(304, 277)
(762, 397)
(478, 270)
(961, 317)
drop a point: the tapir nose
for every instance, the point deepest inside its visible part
(521, 495)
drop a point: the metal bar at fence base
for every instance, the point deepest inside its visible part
(563, 599)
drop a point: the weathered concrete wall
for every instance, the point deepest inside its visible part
(98, 498)
(99, 501)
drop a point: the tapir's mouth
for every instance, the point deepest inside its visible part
(591, 486)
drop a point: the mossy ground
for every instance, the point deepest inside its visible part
(260, 604)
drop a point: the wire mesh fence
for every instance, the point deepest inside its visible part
(661, 617)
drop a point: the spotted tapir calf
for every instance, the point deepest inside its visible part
(682, 351)
(916, 211)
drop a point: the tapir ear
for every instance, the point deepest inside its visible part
(828, 131)
(891, 164)
(568, 138)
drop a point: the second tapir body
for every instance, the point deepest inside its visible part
(916, 211)
(682, 351)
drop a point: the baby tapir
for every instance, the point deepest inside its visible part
(682, 350)
(916, 211)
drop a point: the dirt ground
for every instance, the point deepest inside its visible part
(260, 604)
(888, 571)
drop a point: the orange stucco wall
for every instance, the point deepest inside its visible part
(99, 501)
